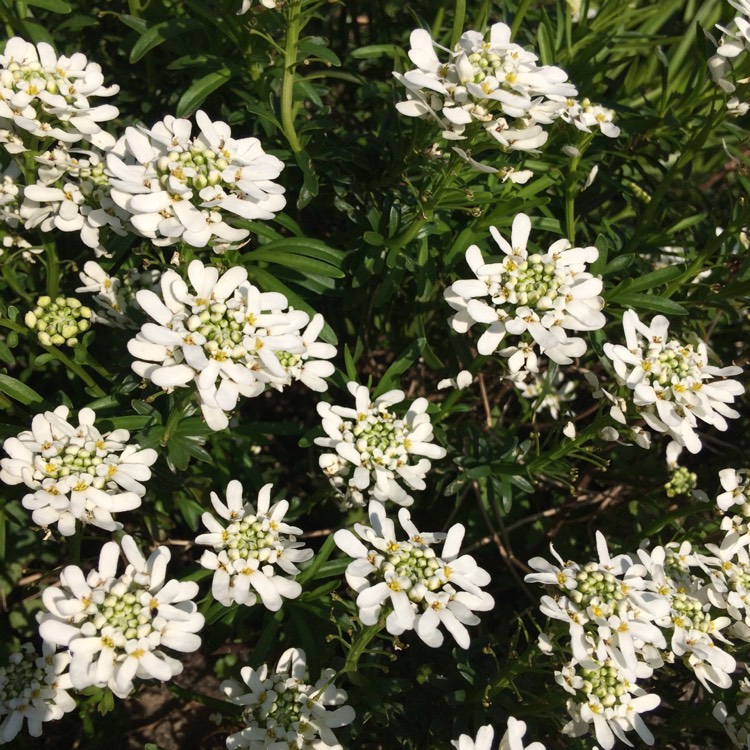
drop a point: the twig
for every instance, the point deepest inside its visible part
(485, 401)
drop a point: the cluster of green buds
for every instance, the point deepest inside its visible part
(222, 332)
(414, 568)
(682, 482)
(252, 538)
(673, 364)
(688, 613)
(380, 437)
(195, 168)
(281, 715)
(122, 615)
(595, 588)
(59, 321)
(532, 282)
(605, 682)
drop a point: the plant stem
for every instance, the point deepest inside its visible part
(76, 368)
(359, 645)
(287, 82)
(178, 408)
(74, 544)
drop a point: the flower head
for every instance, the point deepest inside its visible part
(250, 548)
(76, 472)
(116, 627)
(281, 710)
(47, 97)
(34, 688)
(671, 383)
(178, 187)
(420, 588)
(375, 448)
(228, 338)
(537, 297)
(59, 321)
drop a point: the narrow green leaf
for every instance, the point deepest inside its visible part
(374, 50)
(640, 301)
(56, 6)
(403, 362)
(21, 392)
(159, 34)
(197, 93)
(307, 48)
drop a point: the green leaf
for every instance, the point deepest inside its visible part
(159, 34)
(21, 392)
(647, 281)
(197, 93)
(56, 6)
(308, 48)
(403, 362)
(374, 50)
(309, 179)
(653, 302)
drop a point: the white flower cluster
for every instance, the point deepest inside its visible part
(375, 448)
(228, 338)
(737, 723)
(34, 688)
(116, 295)
(281, 710)
(671, 383)
(72, 194)
(76, 472)
(420, 589)
(537, 297)
(735, 41)
(497, 85)
(116, 627)
(546, 392)
(511, 740)
(43, 96)
(248, 547)
(181, 188)
(632, 614)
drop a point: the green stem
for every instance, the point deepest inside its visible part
(178, 409)
(459, 18)
(359, 645)
(74, 367)
(53, 269)
(287, 82)
(570, 218)
(74, 545)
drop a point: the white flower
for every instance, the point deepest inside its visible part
(672, 383)
(247, 3)
(511, 740)
(375, 449)
(34, 688)
(181, 188)
(116, 627)
(248, 547)
(538, 297)
(462, 380)
(73, 195)
(736, 485)
(43, 96)
(546, 392)
(77, 473)
(227, 337)
(280, 710)
(494, 83)
(421, 589)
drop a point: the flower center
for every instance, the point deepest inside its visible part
(21, 680)
(408, 565)
(195, 168)
(380, 437)
(222, 331)
(604, 683)
(122, 611)
(252, 538)
(595, 589)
